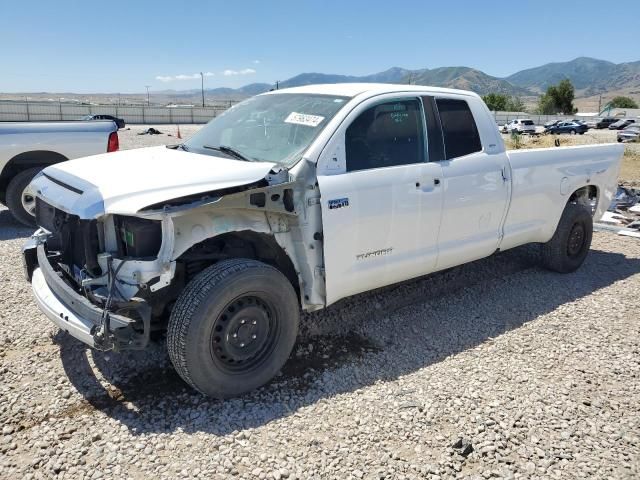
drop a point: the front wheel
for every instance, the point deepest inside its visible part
(21, 199)
(569, 246)
(233, 327)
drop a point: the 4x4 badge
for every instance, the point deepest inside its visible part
(338, 203)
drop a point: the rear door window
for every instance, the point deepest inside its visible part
(459, 128)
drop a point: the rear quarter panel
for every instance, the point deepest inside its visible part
(543, 181)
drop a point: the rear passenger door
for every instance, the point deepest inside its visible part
(475, 185)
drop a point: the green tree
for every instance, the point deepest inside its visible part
(499, 102)
(496, 102)
(546, 105)
(622, 102)
(515, 104)
(558, 99)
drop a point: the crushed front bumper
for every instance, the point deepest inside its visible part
(75, 314)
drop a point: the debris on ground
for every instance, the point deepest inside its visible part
(463, 446)
(150, 131)
(623, 215)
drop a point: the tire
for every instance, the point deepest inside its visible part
(573, 132)
(21, 201)
(241, 297)
(569, 246)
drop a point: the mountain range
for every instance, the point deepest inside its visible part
(589, 76)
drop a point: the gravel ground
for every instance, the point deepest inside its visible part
(496, 368)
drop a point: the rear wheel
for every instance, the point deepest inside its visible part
(573, 132)
(233, 327)
(21, 199)
(569, 246)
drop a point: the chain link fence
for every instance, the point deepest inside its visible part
(45, 112)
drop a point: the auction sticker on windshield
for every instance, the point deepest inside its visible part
(304, 119)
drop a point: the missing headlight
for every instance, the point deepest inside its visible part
(138, 237)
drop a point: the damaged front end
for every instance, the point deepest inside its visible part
(94, 295)
(113, 279)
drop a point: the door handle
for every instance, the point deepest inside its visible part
(436, 182)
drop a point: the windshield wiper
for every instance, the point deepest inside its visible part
(227, 150)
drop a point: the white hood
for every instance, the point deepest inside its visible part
(126, 181)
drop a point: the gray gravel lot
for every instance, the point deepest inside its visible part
(496, 368)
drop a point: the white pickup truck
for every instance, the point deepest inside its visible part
(26, 148)
(293, 200)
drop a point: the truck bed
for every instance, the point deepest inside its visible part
(543, 180)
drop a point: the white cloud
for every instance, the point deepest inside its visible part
(256, 62)
(182, 76)
(187, 77)
(246, 71)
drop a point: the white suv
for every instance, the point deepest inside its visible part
(519, 125)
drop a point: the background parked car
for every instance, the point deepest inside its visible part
(520, 125)
(567, 127)
(621, 124)
(118, 121)
(630, 134)
(28, 147)
(602, 122)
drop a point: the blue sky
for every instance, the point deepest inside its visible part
(117, 46)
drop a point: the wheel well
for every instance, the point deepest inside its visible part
(24, 161)
(587, 195)
(242, 244)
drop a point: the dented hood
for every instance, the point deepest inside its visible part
(124, 182)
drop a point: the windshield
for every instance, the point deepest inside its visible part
(267, 128)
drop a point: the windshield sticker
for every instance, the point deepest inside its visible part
(304, 119)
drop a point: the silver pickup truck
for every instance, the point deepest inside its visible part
(27, 148)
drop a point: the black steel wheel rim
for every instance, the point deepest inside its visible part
(576, 240)
(244, 334)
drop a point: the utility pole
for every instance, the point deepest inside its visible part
(202, 87)
(600, 104)
(147, 87)
(277, 84)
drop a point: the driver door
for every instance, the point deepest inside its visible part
(381, 199)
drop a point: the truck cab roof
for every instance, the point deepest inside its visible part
(370, 89)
